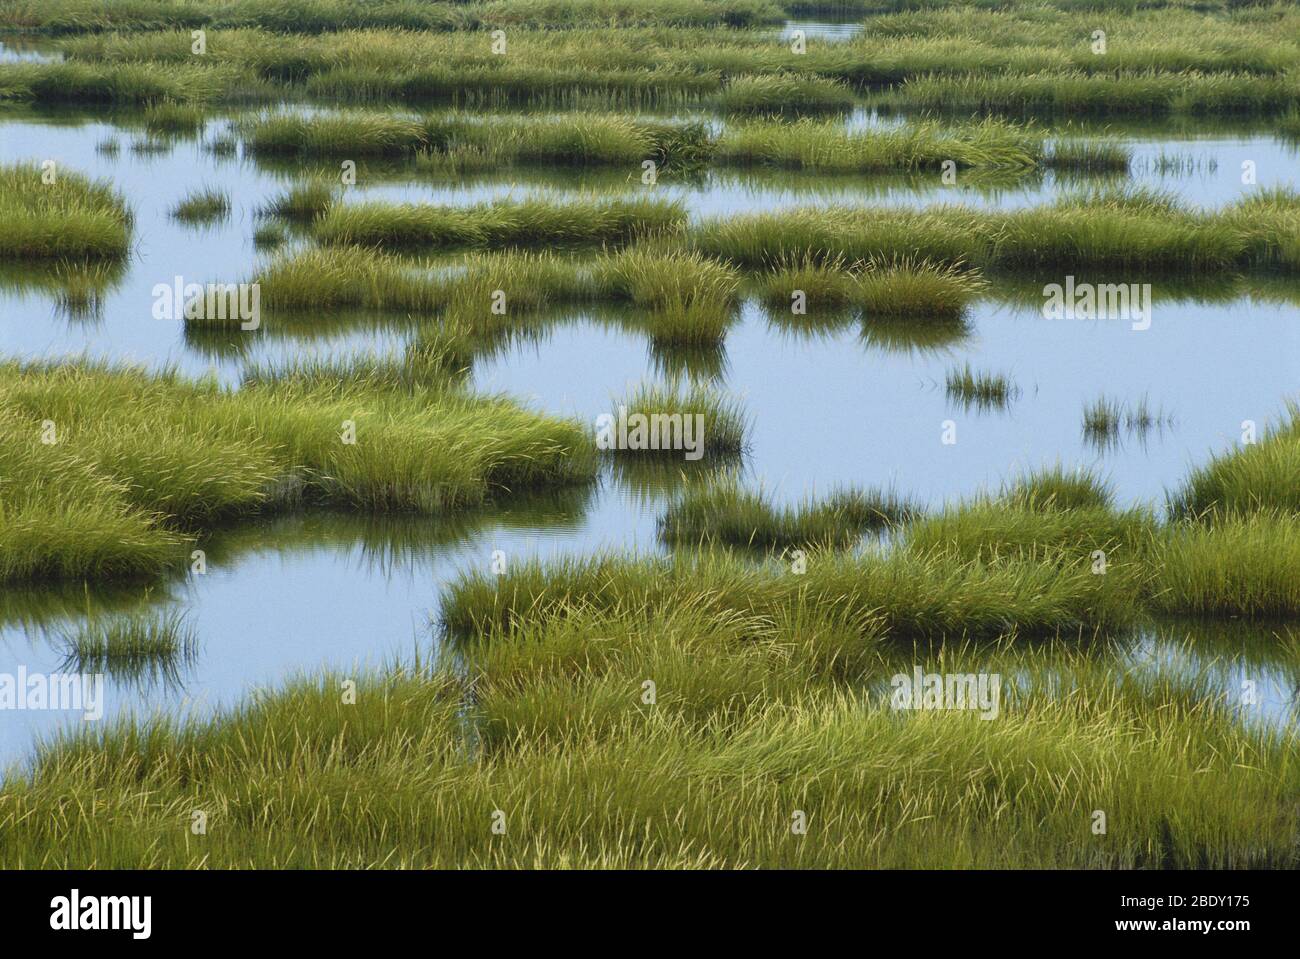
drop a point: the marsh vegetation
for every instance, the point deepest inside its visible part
(651, 349)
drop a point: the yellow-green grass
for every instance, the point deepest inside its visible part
(1240, 566)
(132, 84)
(1256, 476)
(785, 94)
(320, 16)
(1057, 488)
(487, 289)
(911, 288)
(83, 497)
(50, 212)
(582, 773)
(689, 298)
(1075, 93)
(722, 511)
(205, 205)
(1166, 59)
(526, 222)
(924, 145)
(135, 643)
(990, 529)
(615, 140)
(979, 389)
(912, 595)
(303, 202)
(1111, 229)
(655, 420)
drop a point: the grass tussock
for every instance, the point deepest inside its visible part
(131, 643)
(82, 498)
(207, 205)
(303, 202)
(528, 222)
(676, 420)
(720, 511)
(1259, 476)
(979, 389)
(53, 213)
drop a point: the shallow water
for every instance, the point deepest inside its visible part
(844, 403)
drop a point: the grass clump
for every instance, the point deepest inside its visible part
(529, 222)
(1058, 488)
(909, 595)
(722, 512)
(804, 284)
(132, 643)
(690, 298)
(818, 145)
(98, 504)
(979, 389)
(71, 218)
(691, 420)
(1255, 477)
(269, 236)
(745, 731)
(1240, 566)
(176, 118)
(1106, 420)
(207, 205)
(787, 94)
(990, 530)
(347, 276)
(1089, 156)
(303, 202)
(352, 134)
(917, 288)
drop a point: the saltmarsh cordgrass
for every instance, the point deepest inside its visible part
(912, 595)
(1058, 488)
(1120, 229)
(269, 236)
(117, 83)
(924, 145)
(920, 289)
(206, 205)
(325, 16)
(461, 140)
(527, 222)
(1255, 476)
(177, 118)
(987, 529)
(1069, 93)
(1088, 156)
(353, 134)
(133, 643)
(806, 284)
(1239, 566)
(692, 782)
(1106, 420)
(979, 389)
(66, 216)
(722, 511)
(303, 202)
(97, 503)
(346, 276)
(689, 297)
(785, 93)
(674, 421)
